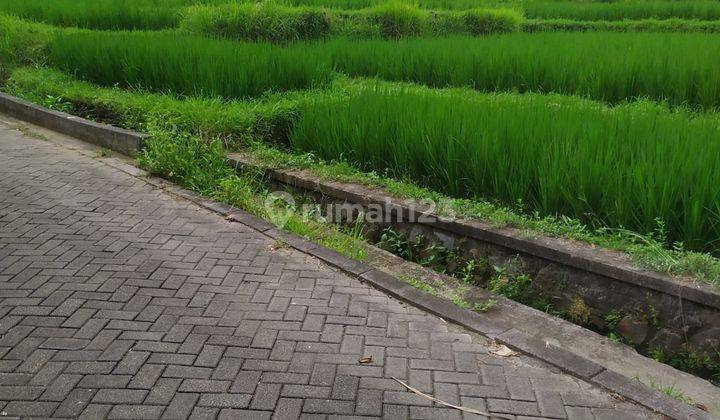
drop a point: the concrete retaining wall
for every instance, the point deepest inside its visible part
(117, 139)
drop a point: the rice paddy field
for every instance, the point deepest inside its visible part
(615, 129)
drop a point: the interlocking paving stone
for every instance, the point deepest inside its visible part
(119, 300)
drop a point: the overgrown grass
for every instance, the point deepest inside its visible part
(186, 65)
(273, 22)
(269, 120)
(617, 167)
(613, 67)
(200, 165)
(233, 121)
(256, 21)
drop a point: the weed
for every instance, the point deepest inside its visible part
(489, 21)
(418, 283)
(485, 306)
(473, 271)
(578, 312)
(514, 287)
(461, 302)
(671, 391)
(104, 152)
(612, 319)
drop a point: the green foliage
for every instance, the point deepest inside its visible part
(233, 121)
(398, 244)
(398, 19)
(643, 25)
(200, 165)
(622, 9)
(578, 312)
(21, 43)
(515, 287)
(186, 65)
(473, 271)
(672, 392)
(612, 67)
(491, 21)
(612, 319)
(485, 306)
(100, 14)
(270, 21)
(421, 284)
(194, 163)
(256, 21)
(269, 119)
(705, 365)
(585, 160)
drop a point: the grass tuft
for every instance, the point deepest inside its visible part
(492, 21)
(256, 21)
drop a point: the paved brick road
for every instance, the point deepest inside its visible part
(120, 301)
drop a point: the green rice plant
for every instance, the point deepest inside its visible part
(21, 43)
(559, 9)
(627, 166)
(642, 25)
(186, 65)
(256, 21)
(612, 67)
(622, 9)
(100, 14)
(492, 21)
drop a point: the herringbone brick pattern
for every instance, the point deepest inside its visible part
(120, 301)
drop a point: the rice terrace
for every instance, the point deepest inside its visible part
(567, 151)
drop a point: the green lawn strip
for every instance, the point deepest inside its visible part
(239, 121)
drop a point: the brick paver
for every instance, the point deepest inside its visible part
(120, 301)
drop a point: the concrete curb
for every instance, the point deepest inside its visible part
(120, 140)
(574, 254)
(569, 362)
